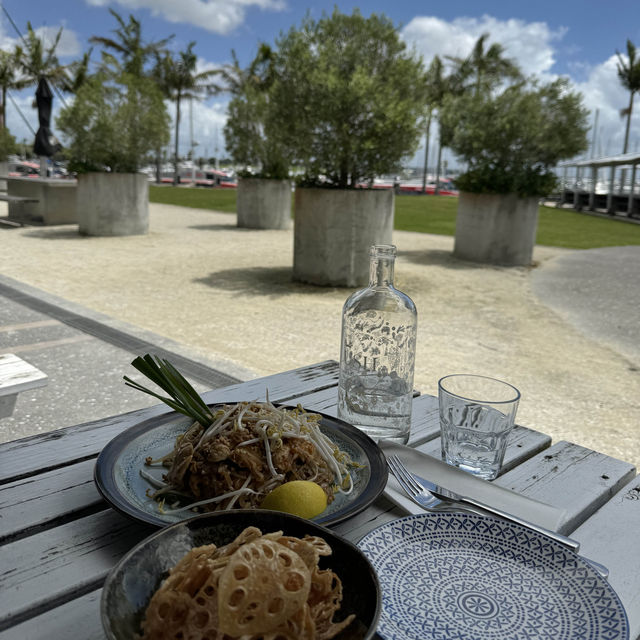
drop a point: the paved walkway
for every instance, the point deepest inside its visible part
(224, 297)
(598, 291)
(84, 356)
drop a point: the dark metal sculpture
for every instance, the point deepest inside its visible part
(46, 144)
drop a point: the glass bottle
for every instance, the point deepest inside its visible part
(377, 353)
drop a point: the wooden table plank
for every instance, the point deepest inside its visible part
(523, 444)
(425, 420)
(570, 477)
(612, 536)
(79, 618)
(21, 458)
(47, 499)
(45, 570)
(50, 580)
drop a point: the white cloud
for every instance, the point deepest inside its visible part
(69, 45)
(534, 46)
(208, 119)
(217, 16)
(529, 43)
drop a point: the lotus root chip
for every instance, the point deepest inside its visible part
(264, 584)
(186, 605)
(319, 544)
(304, 549)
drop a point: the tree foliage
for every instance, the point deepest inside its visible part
(629, 74)
(133, 52)
(35, 60)
(9, 80)
(114, 123)
(511, 139)
(483, 68)
(348, 96)
(252, 131)
(178, 78)
(8, 143)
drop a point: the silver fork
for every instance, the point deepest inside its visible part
(424, 497)
(419, 494)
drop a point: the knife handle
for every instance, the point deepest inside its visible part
(574, 545)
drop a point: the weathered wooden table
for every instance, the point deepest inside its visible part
(59, 539)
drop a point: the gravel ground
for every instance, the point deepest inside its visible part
(227, 293)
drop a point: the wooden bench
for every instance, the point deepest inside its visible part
(16, 375)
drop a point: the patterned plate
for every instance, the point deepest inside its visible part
(472, 577)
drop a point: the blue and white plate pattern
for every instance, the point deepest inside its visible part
(460, 576)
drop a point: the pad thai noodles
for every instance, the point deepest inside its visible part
(246, 451)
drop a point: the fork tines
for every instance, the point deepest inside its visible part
(403, 476)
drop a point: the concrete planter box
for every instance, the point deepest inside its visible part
(113, 204)
(334, 230)
(53, 200)
(264, 204)
(496, 229)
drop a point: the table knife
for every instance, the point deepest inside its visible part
(449, 495)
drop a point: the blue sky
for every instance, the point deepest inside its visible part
(572, 38)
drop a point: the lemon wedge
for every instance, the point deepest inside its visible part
(299, 497)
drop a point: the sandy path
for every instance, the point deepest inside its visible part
(227, 292)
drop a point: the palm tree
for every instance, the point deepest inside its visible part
(435, 91)
(483, 69)
(39, 64)
(178, 79)
(78, 72)
(629, 74)
(8, 80)
(36, 61)
(128, 43)
(259, 74)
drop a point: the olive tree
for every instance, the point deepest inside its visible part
(114, 122)
(253, 130)
(512, 139)
(349, 97)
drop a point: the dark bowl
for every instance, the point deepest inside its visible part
(131, 583)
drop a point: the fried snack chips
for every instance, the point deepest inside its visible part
(258, 587)
(261, 587)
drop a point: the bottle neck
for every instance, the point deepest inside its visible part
(381, 266)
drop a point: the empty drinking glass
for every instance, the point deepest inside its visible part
(477, 414)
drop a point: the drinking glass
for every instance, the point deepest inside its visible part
(477, 414)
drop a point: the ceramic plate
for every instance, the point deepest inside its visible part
(117, 470)
(131, 583)
(472, 577)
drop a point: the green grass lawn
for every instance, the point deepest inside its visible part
(437, 214)
(199, 198)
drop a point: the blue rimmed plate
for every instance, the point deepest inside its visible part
(117, 471)
(473, 577)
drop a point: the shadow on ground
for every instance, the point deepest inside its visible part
(272, 282)
(55, 234)
(444, 258)
(217, 227)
